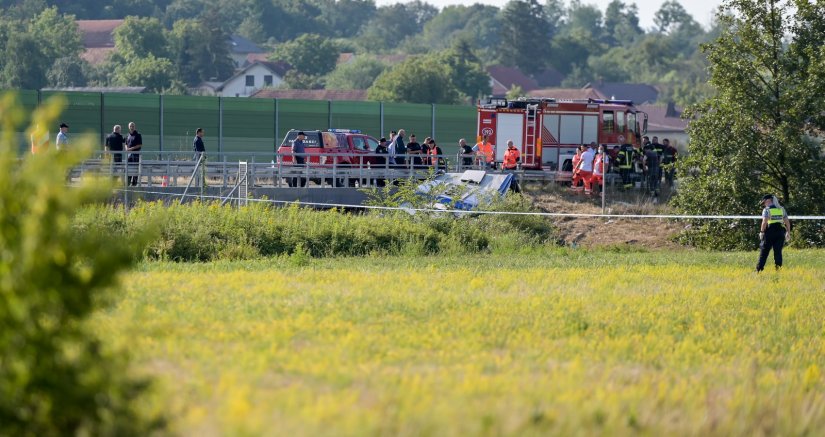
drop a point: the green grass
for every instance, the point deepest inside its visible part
(549, 341)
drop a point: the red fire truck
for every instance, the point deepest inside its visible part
(549, 130)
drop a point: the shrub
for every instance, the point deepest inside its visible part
(56, 378)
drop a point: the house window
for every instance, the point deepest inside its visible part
(268, 80)
(250, 80)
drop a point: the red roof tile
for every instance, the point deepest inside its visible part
(356, 95)
(504, 78)
(98, 33)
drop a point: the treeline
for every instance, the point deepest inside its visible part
(176, 44)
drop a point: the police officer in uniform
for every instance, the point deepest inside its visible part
(775, 231)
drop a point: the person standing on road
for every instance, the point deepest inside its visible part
(398, 149)
(114, 144)
(298, 151)
(39, 139)
(200, 155)
(415, 149)
(134, 142)
(774, 232)
(466, 152)
(485, 152)
(62, 137)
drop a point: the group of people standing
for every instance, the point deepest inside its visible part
(413, 153)
(649, 162)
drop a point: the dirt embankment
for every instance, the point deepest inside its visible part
(599, 232)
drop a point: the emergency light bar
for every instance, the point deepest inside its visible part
(345, 131)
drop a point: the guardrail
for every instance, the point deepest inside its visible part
(177, 169)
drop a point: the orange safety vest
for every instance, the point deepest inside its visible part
(511, 157)
(486, 149)
(40, 140)
(434, 152)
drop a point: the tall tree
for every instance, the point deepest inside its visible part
(465, 70)
(140, 37)
(525, 41)
(25, 63)
(416, 80)
(309, 54)
(356, 75)
(755, 135)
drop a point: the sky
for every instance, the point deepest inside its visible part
(702, 10)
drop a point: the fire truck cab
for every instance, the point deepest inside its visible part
(549, 130)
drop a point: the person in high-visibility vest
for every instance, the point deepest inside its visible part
(436, 155)
(625, 161)
(511, 156)
(774, 232)
(485, 152)
(585, 169)
(39, 139)
(600, 163)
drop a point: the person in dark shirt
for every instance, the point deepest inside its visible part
(298, 151)
(134, 142)
(466, 152)
(414, 148)
(200, 155)
(114, 143)
(651, 162)
(197, 143)
(381, 160)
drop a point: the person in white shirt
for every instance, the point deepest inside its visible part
(584, 172)
(62, 137)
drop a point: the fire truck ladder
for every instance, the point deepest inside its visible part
(529, 152)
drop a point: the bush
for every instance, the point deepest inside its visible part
(207, 231)
(56, 378)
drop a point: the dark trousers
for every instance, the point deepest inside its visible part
(133, 159)
(774, 239)
(625, 173)
(299, 182)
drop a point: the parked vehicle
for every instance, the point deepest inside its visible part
(548, 131)
(340, 148)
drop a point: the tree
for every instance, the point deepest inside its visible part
(670, 16)
(465, 70)
(393, 23)
(57, 34)
(67, 72)
(25, 63)
(309, 54)
(338, 16)
(754, 136)
(356, 75)
(621, 23)
(56, 378)
(156, 74)
(140, 37)
(525, 41)
(416, 80)
(200, 51)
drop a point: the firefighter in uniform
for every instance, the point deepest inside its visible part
(625, 161)
(774, 232)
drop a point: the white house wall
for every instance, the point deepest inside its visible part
(236, 87)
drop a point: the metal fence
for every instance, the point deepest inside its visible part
(243, 124)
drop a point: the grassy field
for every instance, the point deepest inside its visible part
(555, 341)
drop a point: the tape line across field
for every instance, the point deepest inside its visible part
(542, 214)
